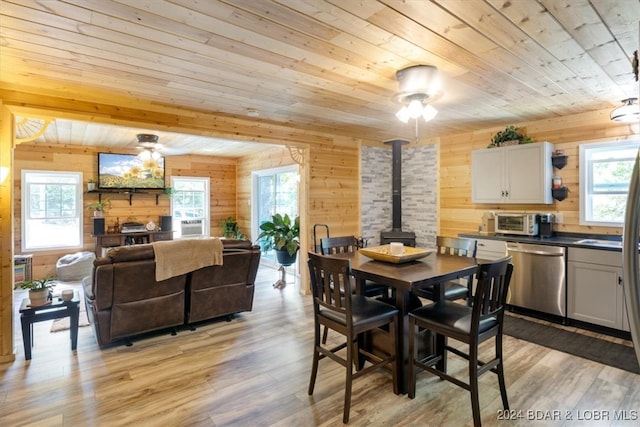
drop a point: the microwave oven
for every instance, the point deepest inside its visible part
(525, 224)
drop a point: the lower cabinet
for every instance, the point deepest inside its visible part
(594, 288)
(491, 249)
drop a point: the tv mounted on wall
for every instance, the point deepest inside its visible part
(129, 172)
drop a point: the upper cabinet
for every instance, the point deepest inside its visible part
(514, 174)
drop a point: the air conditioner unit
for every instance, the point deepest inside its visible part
(191, 227)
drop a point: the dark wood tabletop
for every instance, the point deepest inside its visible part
(434, 269)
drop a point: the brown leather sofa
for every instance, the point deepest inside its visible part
(123, 298)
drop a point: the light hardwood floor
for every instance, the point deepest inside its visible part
(254, 371)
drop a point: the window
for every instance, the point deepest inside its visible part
(51, 210)
(605, 173)
(190, 206)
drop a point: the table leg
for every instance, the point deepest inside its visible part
(25, 322)
(73, 328)
(402, 347)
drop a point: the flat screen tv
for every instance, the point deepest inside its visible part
(129, 172)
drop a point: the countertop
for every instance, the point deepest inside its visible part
(602, 242)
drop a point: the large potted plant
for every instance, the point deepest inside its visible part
(39, 290)
(283, 236)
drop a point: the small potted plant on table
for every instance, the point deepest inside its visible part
(39, 290)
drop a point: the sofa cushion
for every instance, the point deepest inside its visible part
(131, 253)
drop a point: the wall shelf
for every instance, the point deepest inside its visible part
(129, 193)
(559, 161)
(560, 193)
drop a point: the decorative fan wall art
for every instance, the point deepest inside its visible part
(28, 129)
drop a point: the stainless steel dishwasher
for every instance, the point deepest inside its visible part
(538, 281)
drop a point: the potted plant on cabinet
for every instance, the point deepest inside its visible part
(283, 236)
(39, 290)
(99, 207)
(511, 135)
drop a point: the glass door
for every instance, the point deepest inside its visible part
(274, 191)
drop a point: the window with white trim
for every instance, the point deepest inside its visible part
(190, 206)
(605, 174)
(51, 210)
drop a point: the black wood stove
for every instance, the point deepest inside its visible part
(396, 234)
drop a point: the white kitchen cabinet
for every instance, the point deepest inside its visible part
(594, 289)
(514, 174)
(491, 249)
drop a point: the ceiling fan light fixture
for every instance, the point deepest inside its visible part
(428, 113)
(419, 85)
(148, 154)
(403, 115)
(149, 142)
(628, 112)
(415, 109)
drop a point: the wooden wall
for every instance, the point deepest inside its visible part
(334, 189)
(459, 215)
(143, 207)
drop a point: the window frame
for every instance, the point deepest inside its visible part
(206, 226)
(26, 209)
(586, 179)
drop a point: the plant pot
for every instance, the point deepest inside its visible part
(91, 186)
(98, 214)
(283, 257)
(510, 143)
(38, 297)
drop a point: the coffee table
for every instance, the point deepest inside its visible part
(56, 309)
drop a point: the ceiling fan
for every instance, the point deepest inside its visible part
(151, 148)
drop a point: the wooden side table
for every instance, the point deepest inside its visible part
(57, 309)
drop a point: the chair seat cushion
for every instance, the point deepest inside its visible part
(363, 310)
(451, 316)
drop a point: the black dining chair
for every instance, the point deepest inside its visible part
(470, 325)
(335, 306)
(453, 290)
(342, 244)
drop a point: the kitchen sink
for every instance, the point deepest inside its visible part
(600, 242)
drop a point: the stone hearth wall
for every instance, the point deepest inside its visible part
(419, 193)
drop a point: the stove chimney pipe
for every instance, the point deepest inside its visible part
(396, 182)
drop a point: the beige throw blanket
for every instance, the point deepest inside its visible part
(176, 257)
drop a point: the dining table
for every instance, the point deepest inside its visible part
(435, 269)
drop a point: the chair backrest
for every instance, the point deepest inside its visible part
(456, 246)
(490, 296)
(336, 245)
(331, 285)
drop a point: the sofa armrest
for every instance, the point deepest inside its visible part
(102, 287)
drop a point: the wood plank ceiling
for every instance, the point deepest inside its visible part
(324, 65)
